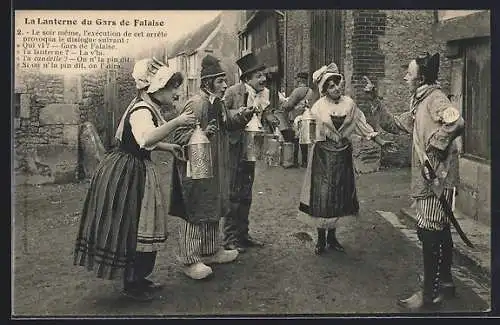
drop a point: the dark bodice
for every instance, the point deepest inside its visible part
(337, 121)
(128, 143)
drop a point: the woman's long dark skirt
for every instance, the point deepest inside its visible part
(333, 188)
(107, 236)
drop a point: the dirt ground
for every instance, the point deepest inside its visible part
(283, 277)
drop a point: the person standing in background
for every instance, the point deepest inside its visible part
(295, 105)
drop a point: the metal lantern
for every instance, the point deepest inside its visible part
(253, 139)
(307, 127)
(320, 131)
(199, 154)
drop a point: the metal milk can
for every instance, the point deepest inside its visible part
(287, 150)
(278, 135)
(253, 139)
(273, 153)
(307, 127)
(199, 155)
(265, 143)
(282, 116)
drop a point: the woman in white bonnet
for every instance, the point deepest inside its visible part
(123, 221)
(329, 190)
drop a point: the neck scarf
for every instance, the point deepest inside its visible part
(421, 93)
(256, 99)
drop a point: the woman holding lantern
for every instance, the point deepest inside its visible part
(123, 222)
(329, 190)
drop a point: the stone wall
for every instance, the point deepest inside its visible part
(40, 90)
(46, 138)
(92, 101)
(297, 30)
(378, 44)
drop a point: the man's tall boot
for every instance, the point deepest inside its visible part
(447, 286)
(232, 228)
(245, 240)
(428, 297)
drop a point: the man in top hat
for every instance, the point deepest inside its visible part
(435, 124)
(295, 105)
(250, 94)
(201, 203)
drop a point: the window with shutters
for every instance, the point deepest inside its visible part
(246, 43)
(477, 100)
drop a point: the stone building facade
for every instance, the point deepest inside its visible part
(50, 111)
(375, 43)
(217, 37)
(380, 43)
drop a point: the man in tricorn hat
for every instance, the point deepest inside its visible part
(202, 203)
(435, 124)
(252, 94)
(295, 105)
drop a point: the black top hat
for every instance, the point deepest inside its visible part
(248, 64)
(303, 75)
(210, 67)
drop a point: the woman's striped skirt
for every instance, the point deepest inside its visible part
(107, 236)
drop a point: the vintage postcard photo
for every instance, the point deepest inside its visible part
(251, 162)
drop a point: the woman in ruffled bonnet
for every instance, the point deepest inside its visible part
(123, 222)
(329, 191)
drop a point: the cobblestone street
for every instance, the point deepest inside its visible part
(380, 264)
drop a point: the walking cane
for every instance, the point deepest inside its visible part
(446, 207)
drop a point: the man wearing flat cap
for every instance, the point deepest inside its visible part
(434, 124)
(201, 203)
(295, 105)
(250, 95)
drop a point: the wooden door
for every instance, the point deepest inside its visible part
(326, 39)
(477, 104)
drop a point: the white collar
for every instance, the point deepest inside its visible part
(211, 96)
(250, 89)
